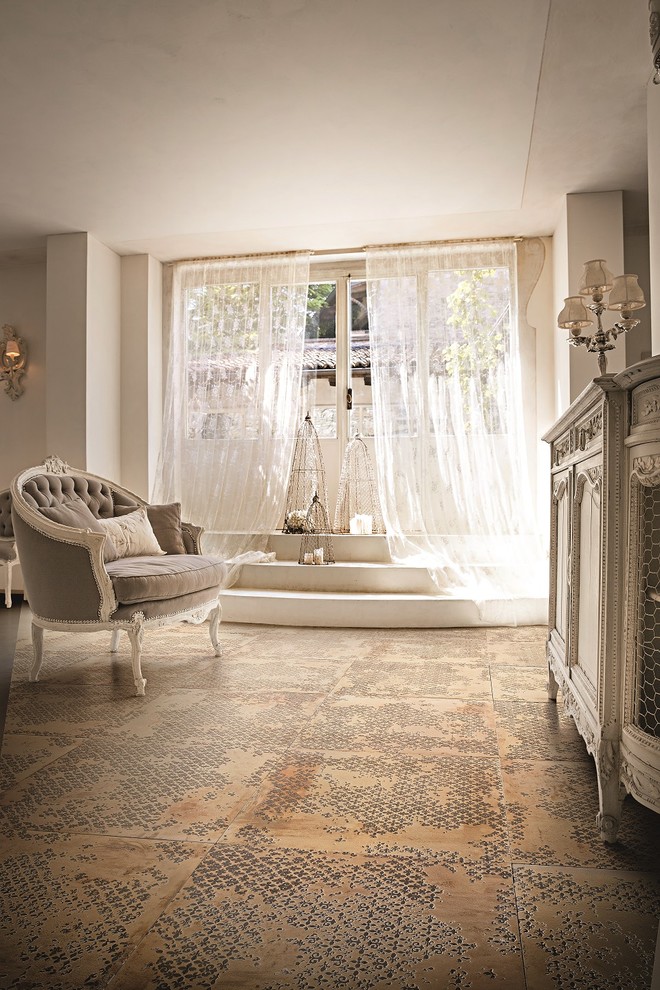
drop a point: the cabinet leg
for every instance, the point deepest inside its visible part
(553, 684)
(610, 798)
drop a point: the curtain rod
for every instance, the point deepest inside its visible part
(342, 251)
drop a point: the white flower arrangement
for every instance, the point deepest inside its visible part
(296, 521)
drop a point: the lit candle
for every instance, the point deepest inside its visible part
(354, 525)
(308, 558)
(318, 555)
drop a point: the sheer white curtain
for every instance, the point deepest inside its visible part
(448, 417)
(232, 393)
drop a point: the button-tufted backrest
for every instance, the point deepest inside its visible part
(44, 490)
(6, 528)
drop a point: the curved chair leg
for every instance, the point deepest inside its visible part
(216, 618)
(8, 566)
(38, 648)
(136, 635)
(114, 642)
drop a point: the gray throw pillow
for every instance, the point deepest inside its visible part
(74, 512)
(166, 524)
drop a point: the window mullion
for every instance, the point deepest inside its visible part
(343, 357)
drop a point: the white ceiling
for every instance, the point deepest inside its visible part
(227, 126)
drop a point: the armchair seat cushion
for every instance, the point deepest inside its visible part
(147, 579)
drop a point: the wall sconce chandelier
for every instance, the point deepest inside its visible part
(625, 296)
(13, 360)
(654, 34)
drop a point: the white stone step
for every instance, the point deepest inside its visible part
(367, 578)
(362, 549)
(385, 611)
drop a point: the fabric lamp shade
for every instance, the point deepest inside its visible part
(595, 278)
(12, 350)
(626, 294)
(574, 315)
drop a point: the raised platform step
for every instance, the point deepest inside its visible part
(359, 549)
(365, 578)
(384, 611)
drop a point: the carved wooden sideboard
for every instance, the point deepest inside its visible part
(603, 644)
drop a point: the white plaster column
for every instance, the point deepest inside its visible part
(83, 353)
(591, 226)
(653, 143)
(141, 371)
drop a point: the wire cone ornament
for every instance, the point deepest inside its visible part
(357, 499)
(307, 479)
(316, 546)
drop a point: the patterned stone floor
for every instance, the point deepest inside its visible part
(318, 809)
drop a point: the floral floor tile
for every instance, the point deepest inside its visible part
(150, 788)
(417, 677)
(527, 730)
(258, 721)
(587, 929)
(282, 642)
(519, 683)
(552, 807)
(382, 804)
(522, 653)
(517, 634)
(72, 907)
(441, 648)
(272, 918)
(79, 710)
(23, 754)
(401, 726)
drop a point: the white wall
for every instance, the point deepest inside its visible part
(23, 420)
(592, 227)
(141, 371)
(560, 280)
(66, 350)
(636, 248)
(103, 395)
(83, 353)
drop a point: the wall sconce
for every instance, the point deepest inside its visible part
(13, 359)
(625, 297)
(654, 33)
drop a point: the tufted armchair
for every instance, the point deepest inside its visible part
(78, 576)
(8, 556)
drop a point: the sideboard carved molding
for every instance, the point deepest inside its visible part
(603, 645)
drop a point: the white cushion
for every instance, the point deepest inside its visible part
(132, 534)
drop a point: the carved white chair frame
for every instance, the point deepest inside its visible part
(134, 626)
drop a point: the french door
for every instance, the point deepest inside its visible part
(336, 381)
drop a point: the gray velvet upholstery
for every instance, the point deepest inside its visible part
(58, 578)
(8, 555)
(74, 512)
(6, 528)
(145, 579)
(166, 524)
(45, 490)
(70, 584)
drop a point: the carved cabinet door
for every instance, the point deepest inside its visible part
(586, 576)
(560, 561)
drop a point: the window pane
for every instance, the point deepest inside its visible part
(319, 379)
(469, 346)
(361, 414)
(222, 343)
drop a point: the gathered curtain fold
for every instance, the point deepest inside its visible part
(232, 395)
(448, 417)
